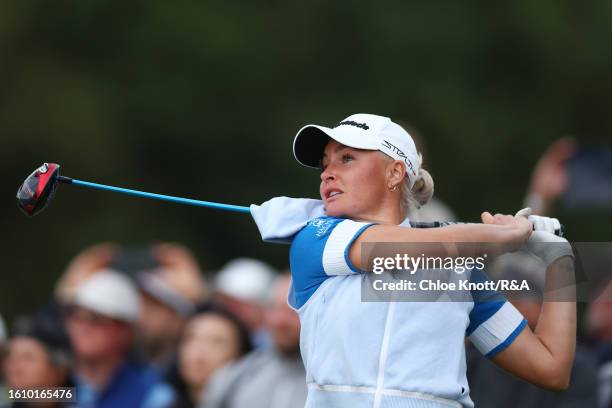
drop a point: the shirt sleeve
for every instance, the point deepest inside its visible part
(494, 322)
(280, 218)
(319, 251)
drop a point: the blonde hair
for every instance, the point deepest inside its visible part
(420, 193)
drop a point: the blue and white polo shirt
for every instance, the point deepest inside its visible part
(383, 354)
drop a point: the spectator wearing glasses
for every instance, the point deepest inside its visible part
(100, 321)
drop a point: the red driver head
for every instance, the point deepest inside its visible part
(38, 189)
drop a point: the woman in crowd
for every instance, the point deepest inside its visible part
(38, 357)
(211, 338)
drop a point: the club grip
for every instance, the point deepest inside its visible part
(437, 224)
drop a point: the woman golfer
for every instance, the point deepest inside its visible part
(404, 354)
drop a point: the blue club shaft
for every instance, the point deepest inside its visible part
(180, 200)
(221, 206)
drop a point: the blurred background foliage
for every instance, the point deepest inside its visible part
(202, 99)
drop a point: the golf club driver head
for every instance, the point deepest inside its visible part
(38, 189)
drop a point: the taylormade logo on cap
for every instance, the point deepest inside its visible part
(360, 131)
(351, 123)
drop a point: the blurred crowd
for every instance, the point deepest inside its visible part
(142, 328)
(148, 328)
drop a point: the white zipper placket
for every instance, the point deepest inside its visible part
(384, 350)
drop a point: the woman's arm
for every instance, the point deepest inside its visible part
(545, 356)
(507, 235)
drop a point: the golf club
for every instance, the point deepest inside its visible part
(39, 188)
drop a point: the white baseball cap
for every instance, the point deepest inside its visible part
(111, 294)
(360, 131)
(246, 279)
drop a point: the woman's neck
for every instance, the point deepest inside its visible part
(384, 216)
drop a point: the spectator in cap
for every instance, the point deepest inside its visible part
(212, 338)
(169, 293)
(38, 356)
(490, 386)
(83, 266)
(266, 378)
(243, 287)
(100, 322)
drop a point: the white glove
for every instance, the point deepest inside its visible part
(547, 224)
(547, 246)
(539, 222)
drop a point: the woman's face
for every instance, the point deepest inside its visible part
(353, 181)
(209, 342)
(28, 365)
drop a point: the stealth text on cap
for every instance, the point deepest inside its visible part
(352, 123)
(400, 154)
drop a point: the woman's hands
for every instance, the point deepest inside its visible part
(519, 228)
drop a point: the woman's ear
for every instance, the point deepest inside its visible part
(396, 171)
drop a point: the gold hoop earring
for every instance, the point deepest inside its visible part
(393, 188)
